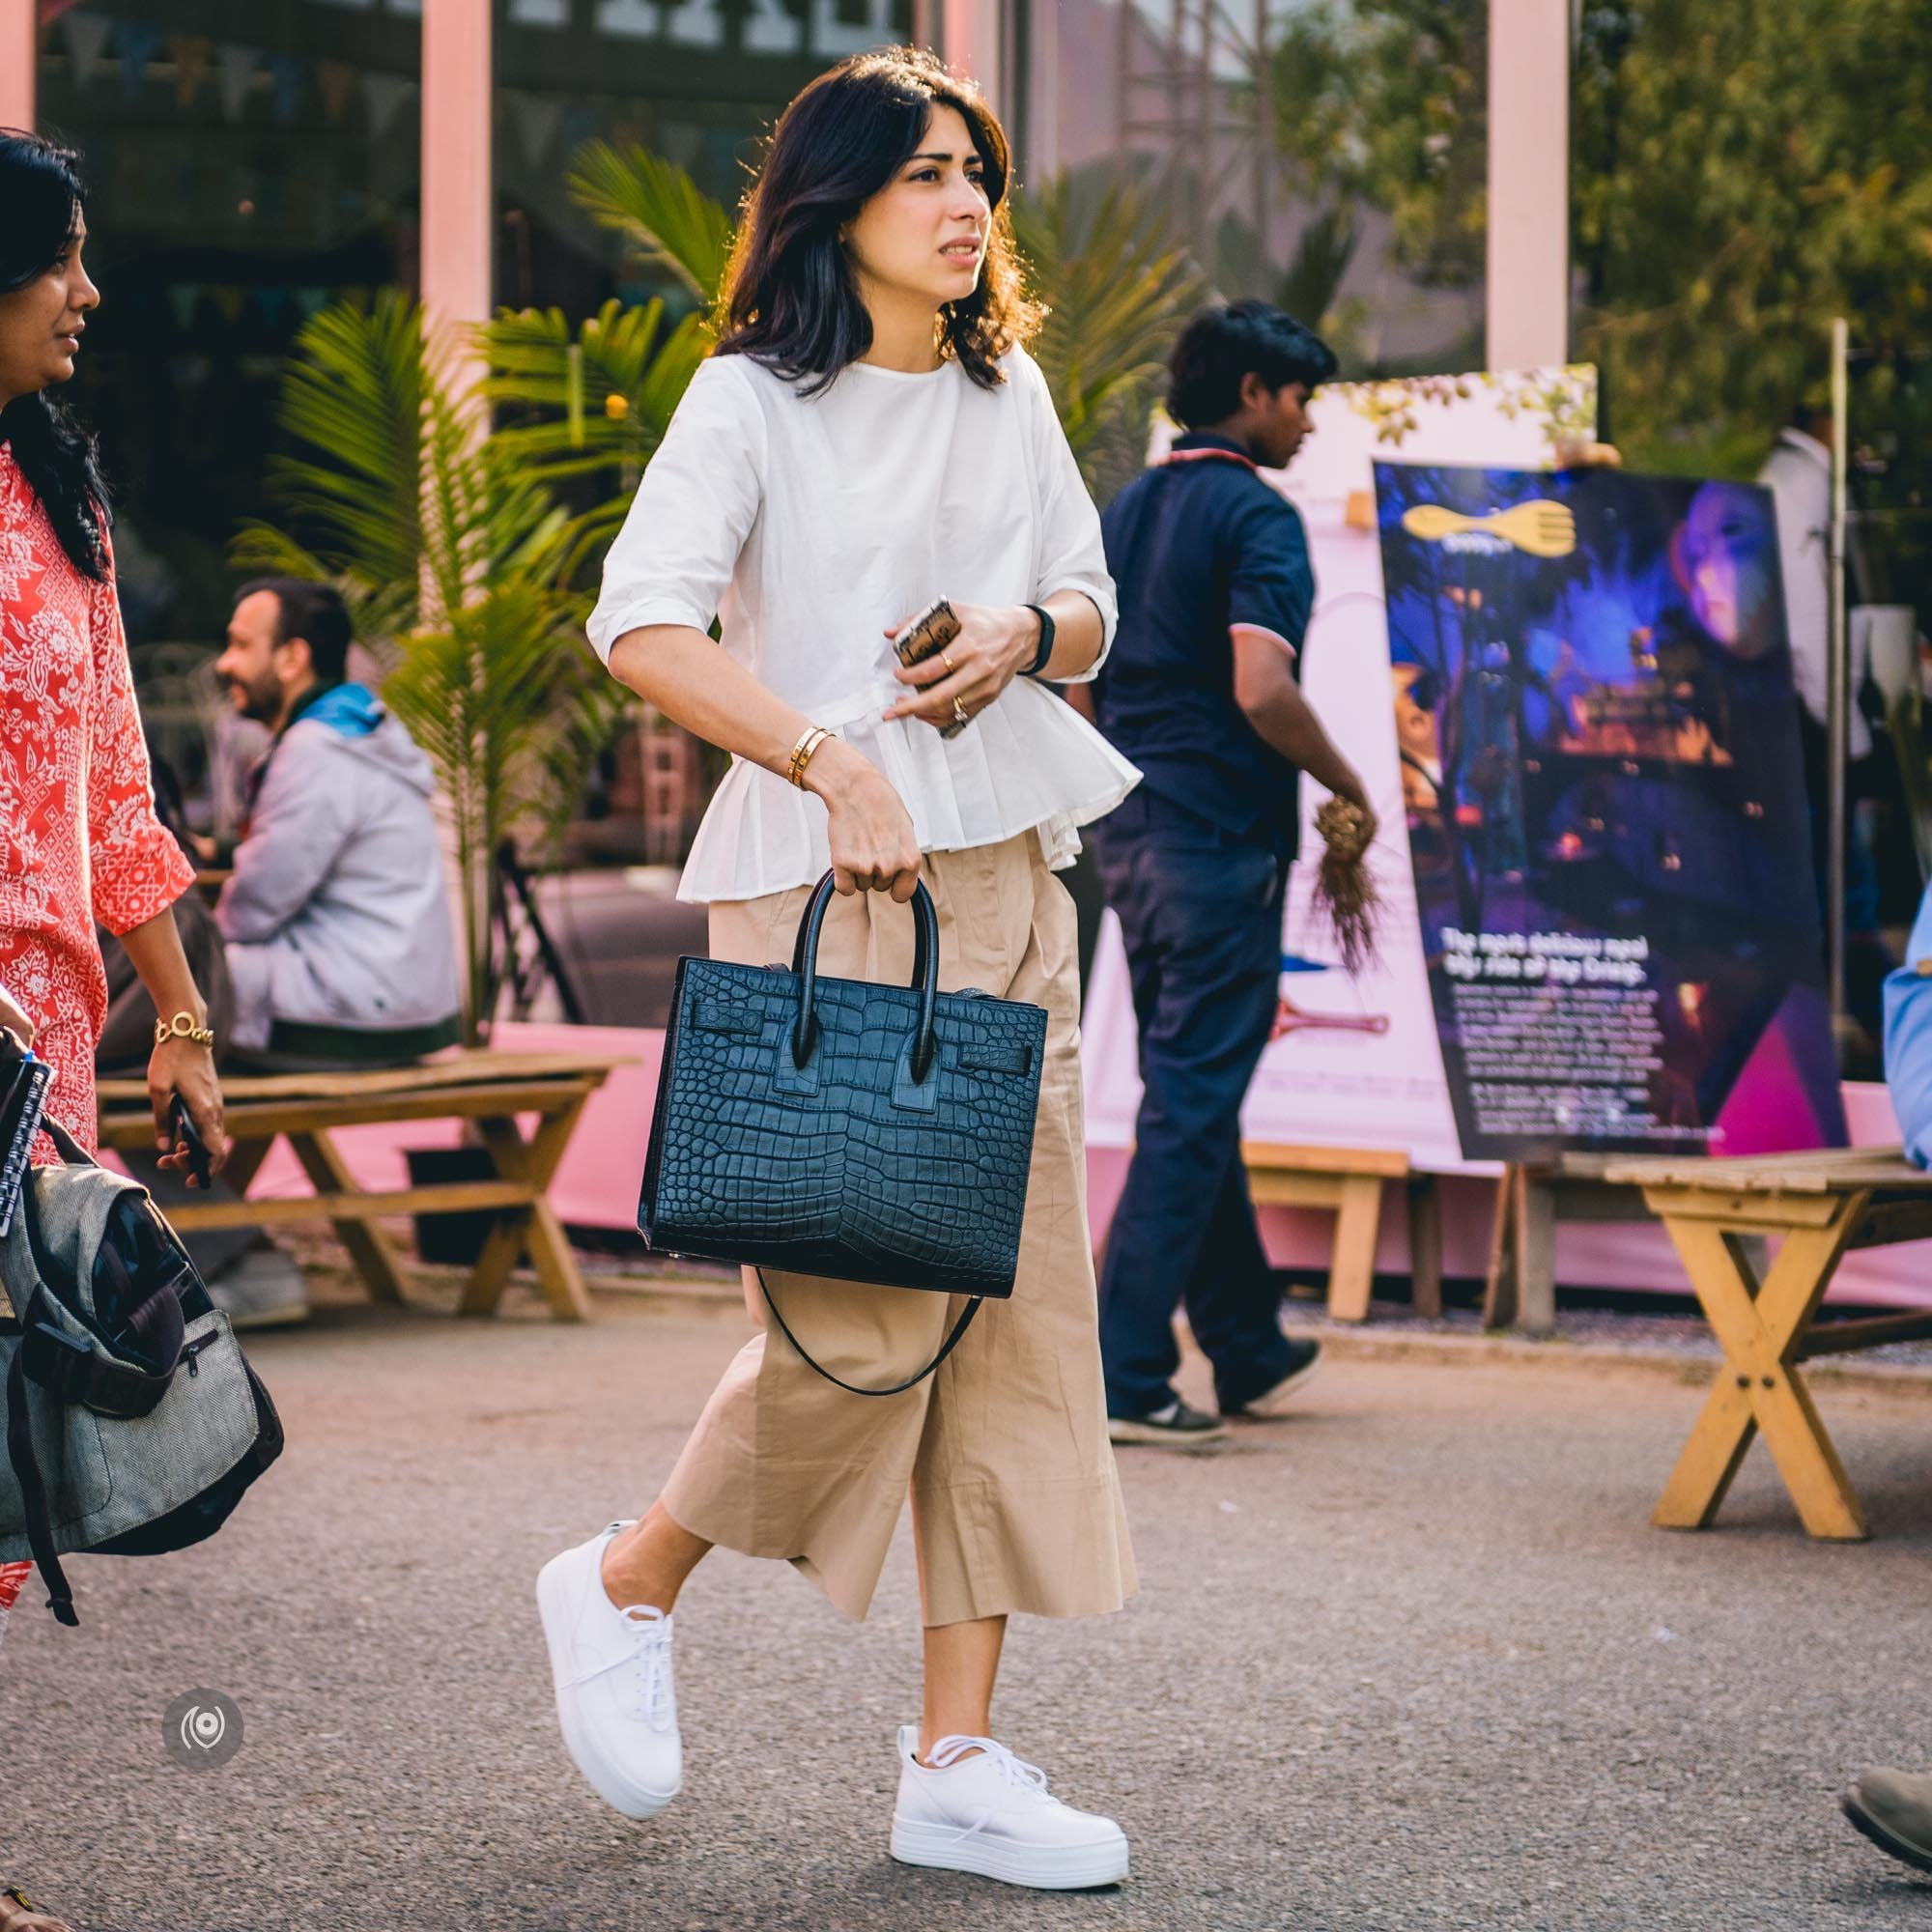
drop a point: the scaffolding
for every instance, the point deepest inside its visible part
(1193, 97)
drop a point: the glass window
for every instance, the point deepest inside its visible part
(248, 164)
(695, 81)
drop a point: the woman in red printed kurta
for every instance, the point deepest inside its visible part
(79, 840)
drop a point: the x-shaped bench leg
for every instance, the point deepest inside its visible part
(535, 1229)
(1759, 1326)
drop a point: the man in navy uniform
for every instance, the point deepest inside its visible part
(1201, 691)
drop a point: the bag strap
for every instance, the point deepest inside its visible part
(33, 1489)
(70, 1150)
(946, 1348)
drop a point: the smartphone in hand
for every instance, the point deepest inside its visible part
(180, 1124)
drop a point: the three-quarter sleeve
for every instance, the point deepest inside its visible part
(673, 559)
(1071, 553)
(135, 869)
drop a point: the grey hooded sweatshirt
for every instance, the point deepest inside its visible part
(336, 915)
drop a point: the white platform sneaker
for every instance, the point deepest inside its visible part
(615, 1697)
(993, 1816)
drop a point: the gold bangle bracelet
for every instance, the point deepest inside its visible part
(803, 752)
(183, 1027)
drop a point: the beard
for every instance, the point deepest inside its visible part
(260, 701)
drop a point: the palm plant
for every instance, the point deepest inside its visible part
(670, 219)
(455, 558)
(1117, 288)
(593, 403)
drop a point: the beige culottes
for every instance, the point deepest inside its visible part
(1016, 1505)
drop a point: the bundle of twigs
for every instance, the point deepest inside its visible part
(1343, 886)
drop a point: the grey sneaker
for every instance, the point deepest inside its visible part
(1175, 1426)
(1894, 1809)
(261, 1288)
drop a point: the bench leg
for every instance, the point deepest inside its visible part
(535, 1229)
(371, 1250)
(1535, 1253)
(1352, 1273)
(244, 1163)
(1424, 1245)
(1499, 1281)
(1759, 1329)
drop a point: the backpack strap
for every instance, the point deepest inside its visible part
(27, 1473)
(70, 1150)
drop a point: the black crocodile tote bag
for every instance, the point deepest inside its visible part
(837, 1127)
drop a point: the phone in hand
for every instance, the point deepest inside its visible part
(180, 1124)
(925, 637)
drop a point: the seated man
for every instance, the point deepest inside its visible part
(1893, 1808)
(336, 919)
(1907, 1040)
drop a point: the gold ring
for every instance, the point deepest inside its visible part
(945, 658)
(960, 715)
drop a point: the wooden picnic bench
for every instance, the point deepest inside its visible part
(489, 1088)
(1349, 1181)
(1819, 1206)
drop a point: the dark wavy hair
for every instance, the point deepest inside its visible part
(789, 297)
(42, 198)
(1232, 340)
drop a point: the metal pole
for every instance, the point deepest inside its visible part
(1529, 280)
(1837, 694)
(1263, 147)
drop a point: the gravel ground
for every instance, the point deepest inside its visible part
(1412, 1659)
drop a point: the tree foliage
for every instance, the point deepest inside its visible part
(1739, 175)
(1383, 101)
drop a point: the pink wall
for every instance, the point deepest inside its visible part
(18, 35)
(598, 1187)
(458, 217)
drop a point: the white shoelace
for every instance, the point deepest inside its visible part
(1014, 1772)
(648, 1665)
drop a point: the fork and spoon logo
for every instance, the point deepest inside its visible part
(1539, 528)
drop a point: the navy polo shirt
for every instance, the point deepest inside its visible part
(1196, 544)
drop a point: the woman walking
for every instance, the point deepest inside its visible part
(871, 435)
(79, 842)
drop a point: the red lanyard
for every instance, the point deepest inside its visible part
(1207, 456)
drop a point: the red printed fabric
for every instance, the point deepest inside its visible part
(79, 842)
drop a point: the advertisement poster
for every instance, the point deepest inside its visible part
(1356, 1062)
(1606, 809)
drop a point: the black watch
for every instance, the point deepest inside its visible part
(1045, 651)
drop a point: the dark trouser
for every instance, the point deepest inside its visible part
(1201, 914)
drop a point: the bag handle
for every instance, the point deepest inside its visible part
(924, 982)
(946, 1348)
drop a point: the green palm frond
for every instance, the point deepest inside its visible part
(447, 541)
(354, 395)
(671, 220)
(1119, 290)
(592, 405)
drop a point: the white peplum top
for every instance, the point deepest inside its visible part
(807, 525)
